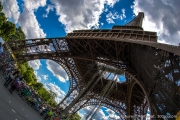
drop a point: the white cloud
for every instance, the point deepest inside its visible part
(48, 9)
(11, 9)
(57, 70)
(34, 4)
(111, 3)
(29, 23)
(45, 77)
(112, 114)
(110, 20)
(161, 16)
(123, 16)
(27, 20)
(80, 14)
(35, 64)
(110, 17)
(105, 10)
(100, 115)
(38, 77)
(57, 90)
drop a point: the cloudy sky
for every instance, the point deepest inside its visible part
(55, 18)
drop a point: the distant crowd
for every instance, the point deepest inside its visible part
(15, 81)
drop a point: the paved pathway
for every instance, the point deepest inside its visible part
(12, 107)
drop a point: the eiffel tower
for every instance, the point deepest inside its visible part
(94, 59)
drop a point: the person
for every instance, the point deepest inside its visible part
(49, 114)
(1, 49)
(11, 77)
(41, 108)
(57, 118)
(15, 85)
(45, 111)
(21, 89)
(8, 69)
(27, 93)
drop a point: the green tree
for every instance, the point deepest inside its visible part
(1, 7)
(53, 94)
(38, 86)
(45, 94)
(52, 103)
(28, 76)
(19, 35)
(22, 68)
(3, 19)
(8, 29)
(75, 117)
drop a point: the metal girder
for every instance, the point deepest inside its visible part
(137, 21)
(151, 69)
(162, 69)
(92, 82)
(103, 94)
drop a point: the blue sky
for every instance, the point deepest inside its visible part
(55, 18)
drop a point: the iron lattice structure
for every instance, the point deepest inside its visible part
(151, 69)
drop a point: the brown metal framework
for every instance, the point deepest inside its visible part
(151, 68)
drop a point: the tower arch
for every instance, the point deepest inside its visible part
(153, 67)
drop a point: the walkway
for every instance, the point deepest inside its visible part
(12, 107)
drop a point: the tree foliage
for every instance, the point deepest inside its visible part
(3, 19)
(30, 78)
(19, 35)
(37, 85)
(75, 117)
(1, 7)
(53, 94)
(7, 30)
(22, 68)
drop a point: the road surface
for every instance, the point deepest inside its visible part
(12, 107)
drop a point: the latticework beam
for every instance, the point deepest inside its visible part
(151, 69)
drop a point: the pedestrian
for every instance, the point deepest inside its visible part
(49, 114)
(11, 77)
(1, 49)
(15, 85)
(57, 118)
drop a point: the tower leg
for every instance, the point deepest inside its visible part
(90, 85)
